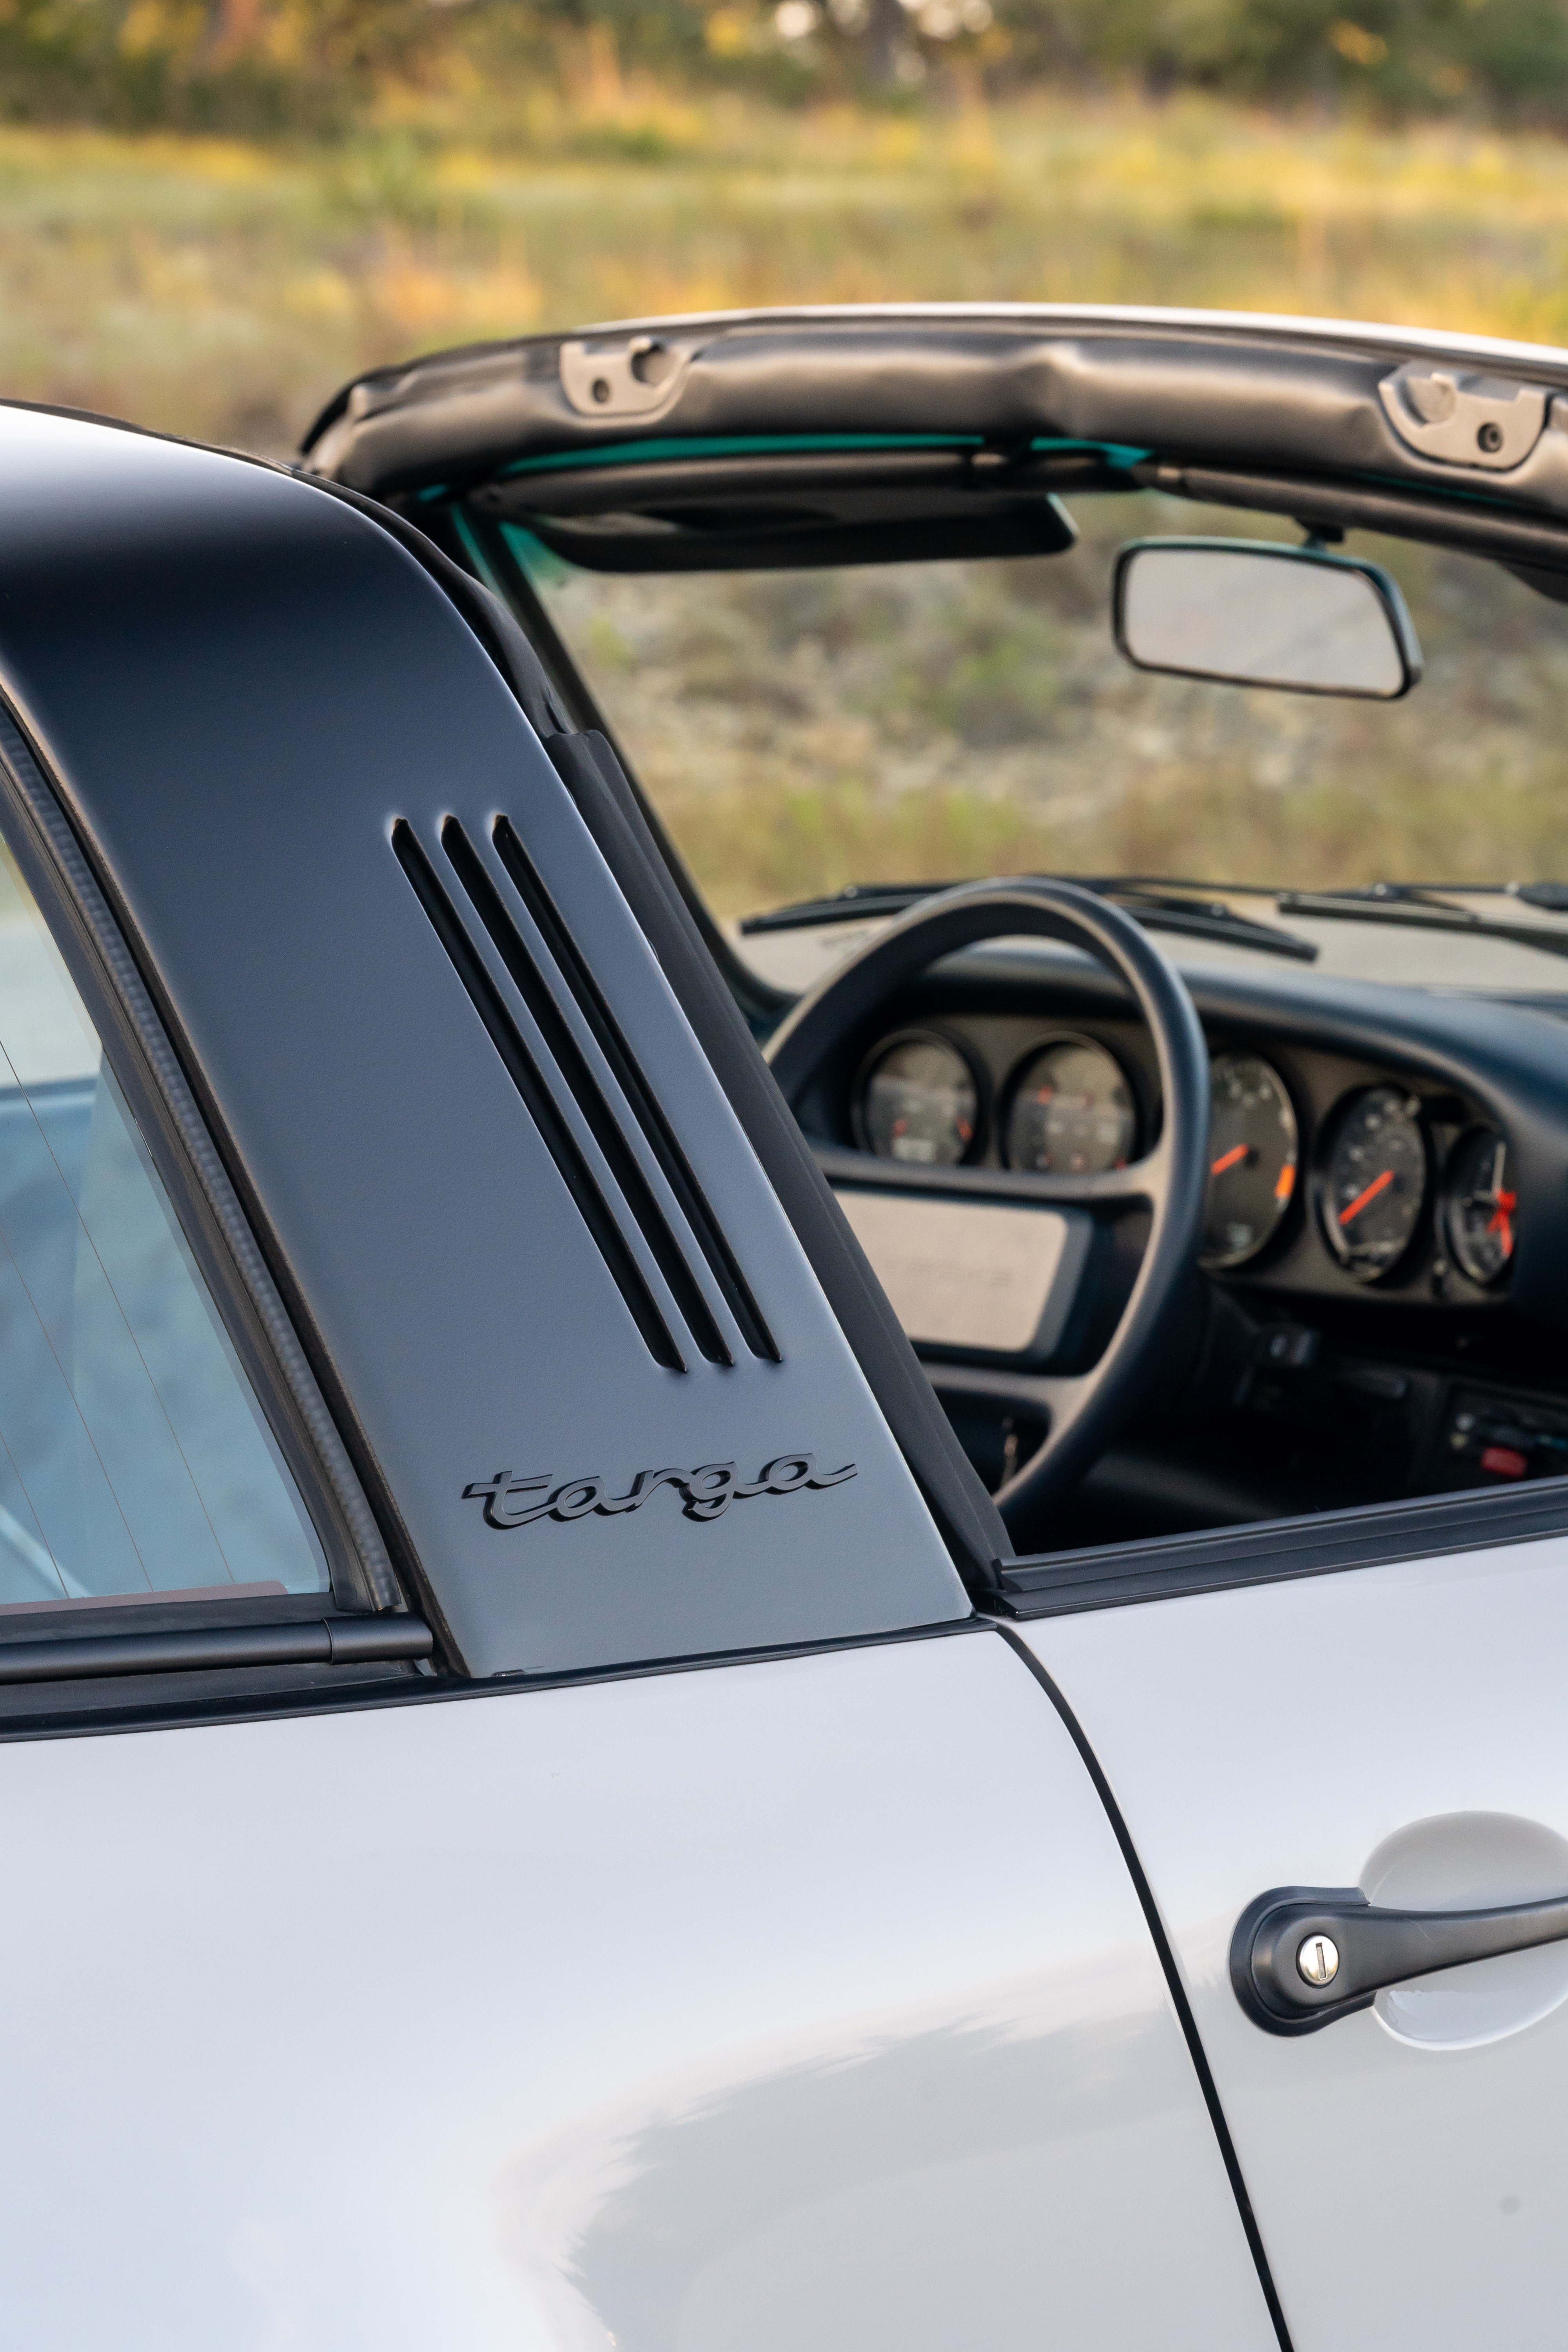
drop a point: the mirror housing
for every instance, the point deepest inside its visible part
(1255, 612)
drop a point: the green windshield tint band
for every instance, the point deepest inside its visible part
(775, 445)
(755, 445)
(476, 553)
(532, 555)
(1117, 454)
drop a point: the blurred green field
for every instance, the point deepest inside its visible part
(221, 290)
(805, 730)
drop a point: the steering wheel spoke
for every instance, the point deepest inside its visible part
(1141, 1185)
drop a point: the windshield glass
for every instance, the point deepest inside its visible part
(802, 731)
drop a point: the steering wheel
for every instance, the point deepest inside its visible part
(1084, 1411)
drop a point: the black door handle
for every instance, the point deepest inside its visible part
(1302, 1956)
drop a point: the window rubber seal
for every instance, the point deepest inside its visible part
(359, 1563)
(1278, 1551)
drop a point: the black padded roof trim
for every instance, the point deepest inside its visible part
(1223, 389)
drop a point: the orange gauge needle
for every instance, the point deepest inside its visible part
(1237, 1151)
(1503, 1207)
(1379, 1184)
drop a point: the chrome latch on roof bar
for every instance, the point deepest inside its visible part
(1460, 418)
(629, 375)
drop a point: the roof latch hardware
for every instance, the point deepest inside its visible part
(1463, 419)
(628, 376)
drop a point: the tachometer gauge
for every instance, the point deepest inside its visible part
(1479, 1203)
(1253, 1148)
(1376, 1183)
(1072, 1112)
(918, 1102)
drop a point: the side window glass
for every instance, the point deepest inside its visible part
(135, 1459)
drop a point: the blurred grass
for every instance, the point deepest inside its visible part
(223, 289)
(803, 730)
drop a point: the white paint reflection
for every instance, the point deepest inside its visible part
(894, 2185)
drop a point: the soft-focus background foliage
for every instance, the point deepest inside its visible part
(263, 65)
(223, 286)
(805, 730)
(212, 211)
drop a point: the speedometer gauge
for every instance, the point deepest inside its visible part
(1479, 1205)
(918, 1102)
(1072, 1112)
(1375, 1181)
(1252, 1158)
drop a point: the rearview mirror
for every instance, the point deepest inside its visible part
(1249, 613)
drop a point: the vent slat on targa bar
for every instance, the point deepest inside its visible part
(559, 1074)
(645, 1109)
(586, 1093)
(526, 1076)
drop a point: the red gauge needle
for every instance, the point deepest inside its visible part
(1503, 1207)
(1228, 1159)
(1379, 1184)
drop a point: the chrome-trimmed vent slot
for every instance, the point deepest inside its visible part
(661, 1137)
(526, 1076)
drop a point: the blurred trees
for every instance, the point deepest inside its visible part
(313, 65)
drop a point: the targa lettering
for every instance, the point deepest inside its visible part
(706, 1492)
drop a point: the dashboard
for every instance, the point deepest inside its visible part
(1384, 1272)
(1395, 1178)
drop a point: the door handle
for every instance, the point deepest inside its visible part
(1302, 1956)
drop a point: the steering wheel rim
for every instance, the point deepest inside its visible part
(1084, 1409)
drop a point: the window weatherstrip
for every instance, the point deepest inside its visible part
(1277, 1551)
(370, 1581)
(322, 1642)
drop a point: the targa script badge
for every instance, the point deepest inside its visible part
(706, 1493)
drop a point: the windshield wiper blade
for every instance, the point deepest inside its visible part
(1379, 897)
(1157, 910)
(1421, 914)
(1205, 918)
(856, 904)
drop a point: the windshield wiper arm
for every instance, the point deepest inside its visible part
(1157, 910)
(1419, 912)
(1205, 918)
(1381, 895)
(857, 904)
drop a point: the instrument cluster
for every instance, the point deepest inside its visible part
(1389, 1167)
(1067, 1108)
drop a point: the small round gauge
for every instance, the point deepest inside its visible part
(1253, 1148)
(1072, 1111)
(1375, 1181)
(1479, 1205)
(918, 1102)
